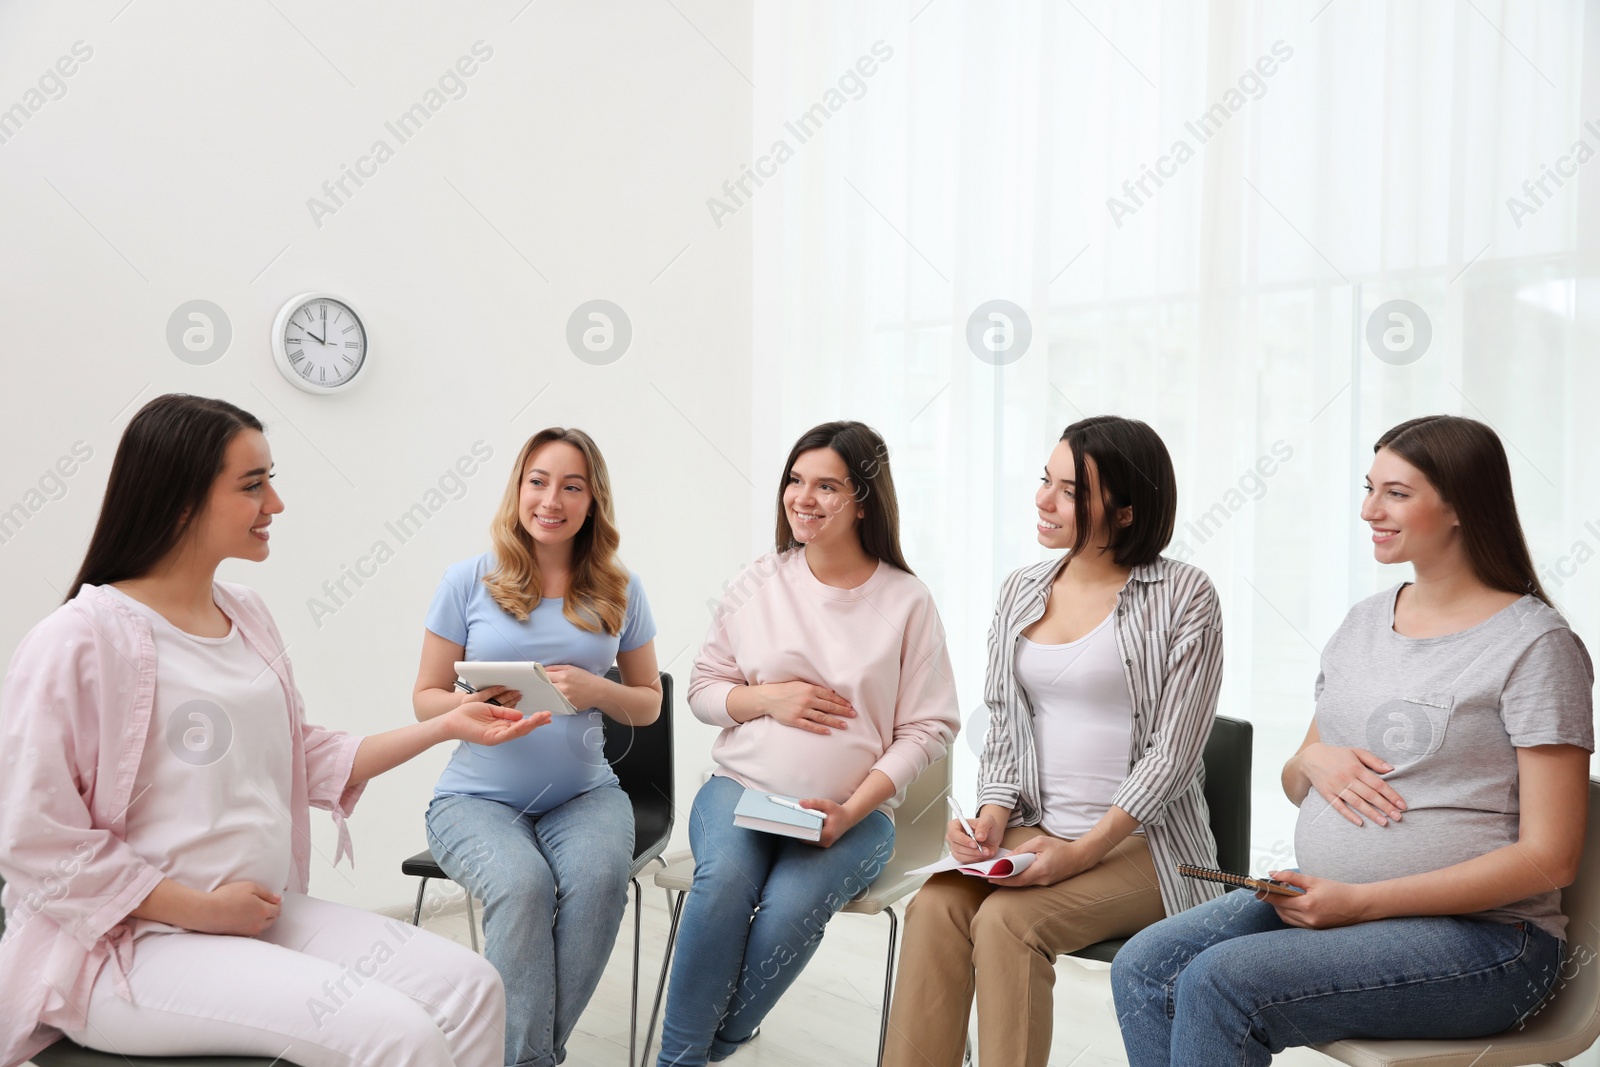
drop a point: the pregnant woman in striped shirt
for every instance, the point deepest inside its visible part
(1104, 668)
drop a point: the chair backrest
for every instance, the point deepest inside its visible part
(920, 820)
(1572, 1011)
(1227, 785)
(642, 756)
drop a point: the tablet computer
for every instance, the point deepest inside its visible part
(525, 676)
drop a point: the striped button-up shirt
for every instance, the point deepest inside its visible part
(1169, 635)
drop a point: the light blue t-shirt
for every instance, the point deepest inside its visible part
(554, 763)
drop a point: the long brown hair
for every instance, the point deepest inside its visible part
(171, 452)
(866, 458)
(1465, 461)
(597, 593)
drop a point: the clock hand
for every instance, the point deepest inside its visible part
(315, 338)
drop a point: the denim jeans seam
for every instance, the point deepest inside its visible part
(437, 843)
(1504, 965)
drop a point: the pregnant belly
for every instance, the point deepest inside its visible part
(1327, 845)
(768, 755)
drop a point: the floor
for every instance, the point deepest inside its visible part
(831, 1014)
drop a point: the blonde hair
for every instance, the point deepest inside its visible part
(597, 593)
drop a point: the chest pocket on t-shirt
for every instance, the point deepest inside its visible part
(1405, 730)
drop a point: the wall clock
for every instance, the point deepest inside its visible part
(319, 343)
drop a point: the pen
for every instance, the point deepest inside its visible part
(465, 688)
(955, 809)
(786, 802)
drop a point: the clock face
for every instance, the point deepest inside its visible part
(319, 343)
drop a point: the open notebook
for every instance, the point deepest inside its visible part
(1004, 865)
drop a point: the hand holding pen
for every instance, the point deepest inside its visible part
(498, 695)
(970, 842)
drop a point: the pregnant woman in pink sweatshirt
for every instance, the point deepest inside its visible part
(826, 669)
(154, 803)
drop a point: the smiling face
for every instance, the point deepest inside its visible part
(818, 500)
(555, 497)
(1058, 489)
(1410, 521)
(233, 523)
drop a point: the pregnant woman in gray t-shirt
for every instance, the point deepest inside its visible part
(1443, 792)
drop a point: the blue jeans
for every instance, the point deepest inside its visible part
(1228, 983)
(554, 889)
(733, 961)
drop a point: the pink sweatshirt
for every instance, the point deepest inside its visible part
(880, 645)
(74, 712)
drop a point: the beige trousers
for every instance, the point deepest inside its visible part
(964, 934)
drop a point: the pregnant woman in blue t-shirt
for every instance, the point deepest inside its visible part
(538, 829)
(1443, 791)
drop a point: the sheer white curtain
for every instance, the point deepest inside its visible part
(1314, 163)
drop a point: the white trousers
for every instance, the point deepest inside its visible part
(324, 986)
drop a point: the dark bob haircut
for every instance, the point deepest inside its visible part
(1135, 471)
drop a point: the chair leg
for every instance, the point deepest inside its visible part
(416, 913)
(633, 1012)
(661, 983)
(472, 919)
(668, 892)
(888, 982)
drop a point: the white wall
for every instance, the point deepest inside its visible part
(177, 165)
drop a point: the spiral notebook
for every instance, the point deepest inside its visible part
(1239, 881)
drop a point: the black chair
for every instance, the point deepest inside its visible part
(1227, 784)
(65, 1053)
(642, 759)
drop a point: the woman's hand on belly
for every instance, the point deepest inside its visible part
(814, 708)
(1324, 904)
(1348, 779)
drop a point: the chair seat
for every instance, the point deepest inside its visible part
(1104, 951)
(652, 823)
(66, 1054)
(678, 877)
(1516, 1048)
(422, 865)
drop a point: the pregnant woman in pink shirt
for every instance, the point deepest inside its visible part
(826, 669)
(154, 807)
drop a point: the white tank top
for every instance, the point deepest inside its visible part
(211, 796)
(1082, 725)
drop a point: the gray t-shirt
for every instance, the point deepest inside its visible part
(1449, 714)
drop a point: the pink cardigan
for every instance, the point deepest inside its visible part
(74, 712)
